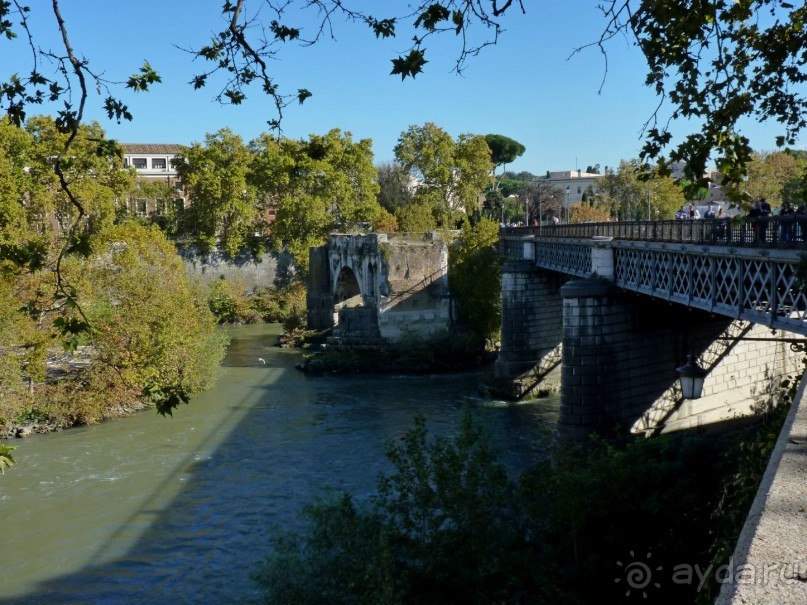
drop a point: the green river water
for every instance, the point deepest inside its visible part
(181, 510)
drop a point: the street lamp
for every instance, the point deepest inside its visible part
(568, 191)
(526, 209)
(691, 377)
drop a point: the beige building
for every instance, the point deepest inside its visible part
(572, 184)
(153, 164)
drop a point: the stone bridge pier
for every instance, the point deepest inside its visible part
(618, 352)
(532, 327)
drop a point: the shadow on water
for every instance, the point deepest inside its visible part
(195, 530)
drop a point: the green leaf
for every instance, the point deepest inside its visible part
(144, 79)
(411, 65)
(302, 95)
(385, 28)
(284, 33)
(235, 96)
(433, 15)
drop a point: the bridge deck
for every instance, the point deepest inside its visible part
(734, 274)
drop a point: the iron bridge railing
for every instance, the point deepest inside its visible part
(779, 232)
(748, 271)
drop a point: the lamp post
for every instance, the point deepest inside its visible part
(540, 207)
(568, 191)
(691, 377)
(526, 209)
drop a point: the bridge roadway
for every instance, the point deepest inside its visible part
(747, 271)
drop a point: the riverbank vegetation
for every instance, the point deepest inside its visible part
(97, 315)
(449, 525)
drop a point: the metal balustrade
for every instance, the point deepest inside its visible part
(748, 273)
(788, 232)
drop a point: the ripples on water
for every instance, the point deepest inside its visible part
(153, 510)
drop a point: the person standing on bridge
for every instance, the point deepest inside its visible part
(787, 217)
(764, 217)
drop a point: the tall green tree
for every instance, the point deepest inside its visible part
(503, 151)
(323, 184)
(94, 173)
(394, 186)
(224, 203)
(769, 175)
(475, 278)
(450, 175)
(630, 192)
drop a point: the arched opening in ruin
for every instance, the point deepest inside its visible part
(346, 293)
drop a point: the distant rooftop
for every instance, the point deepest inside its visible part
(152, 148)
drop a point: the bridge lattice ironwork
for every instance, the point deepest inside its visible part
(757, 282)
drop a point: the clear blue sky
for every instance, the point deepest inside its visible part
(527, 87)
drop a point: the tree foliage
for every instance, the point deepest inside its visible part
(773, 176)
(324, 184)
(475, 278)
(447, 525)
(450, 175)
(718, 63)
(583, 212)
(631, 192)
(395, 186)
(224, 203)
(503, 151)
(120, 289)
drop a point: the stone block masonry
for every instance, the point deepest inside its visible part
(532, 326)
(620, 351)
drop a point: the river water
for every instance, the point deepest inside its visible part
(181, 510)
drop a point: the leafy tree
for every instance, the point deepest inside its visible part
(628, 192)
(769, 175)
(443, 527)
(719, 62)
(450, 174)
(583, 212)
(447, 525)
(385, 222)
(475, 278)
(93, 173)
(394, 186)
(327, 183)
(215, 177)
(417, 217)
(503, 151)
(150, 322)
(693, 192)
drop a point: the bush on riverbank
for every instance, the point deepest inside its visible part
(231, 303)
(142, 324)
(414, 354)
(449, 526)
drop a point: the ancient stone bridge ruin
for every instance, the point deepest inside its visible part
(377, 289)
